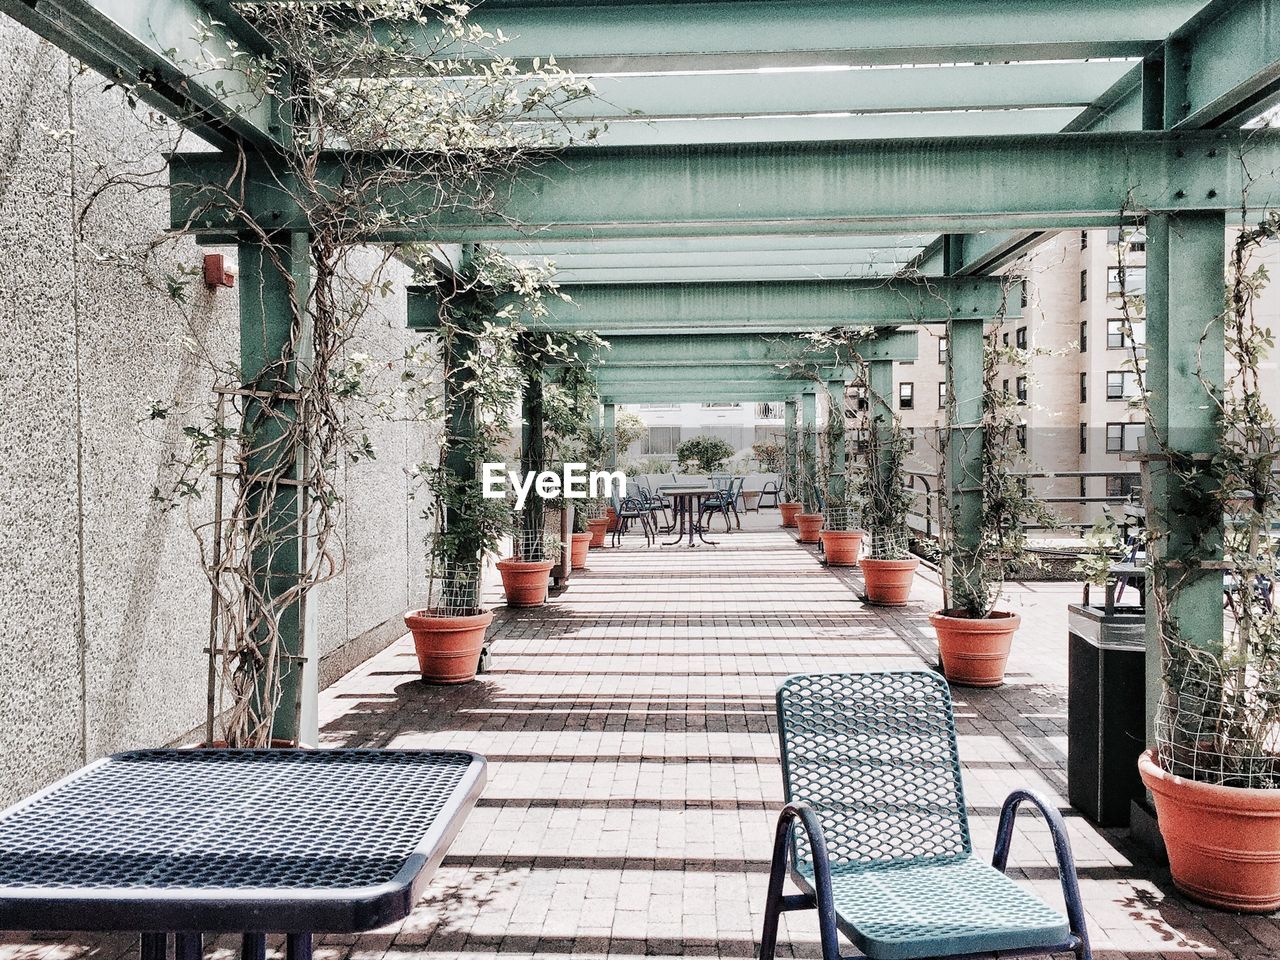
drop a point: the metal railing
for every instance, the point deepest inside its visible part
(924, 485)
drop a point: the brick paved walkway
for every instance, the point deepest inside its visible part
(634, 769)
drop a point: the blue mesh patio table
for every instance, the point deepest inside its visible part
(188, 842)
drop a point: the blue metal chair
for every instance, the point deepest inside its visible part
(724, 502)
(876, 832)
(628, 510)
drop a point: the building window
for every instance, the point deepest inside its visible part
(1084, 239)
(721, 406)
(1084, 336)
(1020, 385)
(911, 438)
(1121, 384)
(1116, 338)
(1026, 293)
(1005, 339)
(1021, 434)
(1020, 338)
(1122, 484)
(1123, 437)
(769, 411)
(1135, 238)
(860, 401)
(1084, 437)
(1084, 388)
(942, 349)
(906, 396)
(661, 441)
(1126, 281)
(659, 406)
(1004, 386)
(1084, 285)
(942, 396)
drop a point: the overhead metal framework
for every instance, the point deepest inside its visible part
(772, 167)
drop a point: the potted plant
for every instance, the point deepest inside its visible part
(888, 572)
(974, 637)
(704, 454)
(582, 537)
(481, 386)
(1214, 772)
(809, 519)
(526, 574)
(790, 506)
(841, 536)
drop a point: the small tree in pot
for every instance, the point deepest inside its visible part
(841, 535)
(1215, 770)
(889, 569)
(974, 638)
(703, 454)
(526, 573)
(809, 519)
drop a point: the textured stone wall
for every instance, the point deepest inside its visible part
(103, 609)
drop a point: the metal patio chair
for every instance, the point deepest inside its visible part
(628, 510)
(769, 489)
(876, 833)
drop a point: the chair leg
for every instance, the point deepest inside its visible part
(776, 904)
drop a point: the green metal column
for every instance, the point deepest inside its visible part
(963, 467)
(790, 443)
(837, 456)
(610, 436)
(1185, 274)
(809, 428)
(533, 457)
(879, 391)
(459, 344)
(275, 342)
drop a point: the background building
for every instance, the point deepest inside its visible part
(1080, 421)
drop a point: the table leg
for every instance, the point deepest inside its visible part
(254, 947)
(188, 946)
(298, 947)
(154, 946)
(677, 522)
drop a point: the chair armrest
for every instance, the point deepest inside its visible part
(799, 810)
(1061, 847)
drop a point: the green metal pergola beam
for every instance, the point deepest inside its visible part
(746, 373)
(710, 350)
(788, 306)
(606, 36)
(720, 392)
(181, 68)
(1222, 68)
(949, 184)
(780, 245)
(860, 126)
(733, 272)
(906, 89)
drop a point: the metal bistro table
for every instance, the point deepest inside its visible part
(687, 507)
(246, 841)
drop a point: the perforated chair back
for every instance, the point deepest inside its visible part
(875, 755)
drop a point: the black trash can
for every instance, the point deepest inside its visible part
(1106, 711)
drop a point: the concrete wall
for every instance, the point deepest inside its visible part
(103, 609)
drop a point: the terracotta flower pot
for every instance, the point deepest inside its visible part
(789, 513)
(598, 527)
(888, 582)
(448, 648)
(1223, 842)
(578, 550)
(842, 547)
(974, 650)
(525, 582)
(809, 525)
(612, 516)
